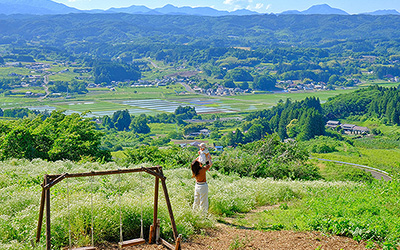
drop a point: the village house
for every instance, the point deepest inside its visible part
(332, 124)
(348, 128)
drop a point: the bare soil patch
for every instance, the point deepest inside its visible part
(231, 237)
(227, 237)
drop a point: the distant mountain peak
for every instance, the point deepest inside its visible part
(170, 9)
(320, 9)
(49, 7)
(324, 9)
(36, 7)
(383, 12)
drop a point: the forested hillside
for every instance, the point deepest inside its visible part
(378, 102)
(79, 30)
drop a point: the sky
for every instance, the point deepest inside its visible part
(262, 6)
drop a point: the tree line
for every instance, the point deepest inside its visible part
(374, 101)
(57, 137)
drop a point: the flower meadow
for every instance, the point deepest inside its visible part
(363, 211)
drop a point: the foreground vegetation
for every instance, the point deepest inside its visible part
(363, 211)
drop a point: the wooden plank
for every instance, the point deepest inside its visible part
(178, 243)
(151, 234)
(55, 181)
(167, 244)
(84, 248)
(133, 242)
(171, 214)
(41, 212)
(158, 231)
(155, 209)
(106, 172)
(156, 174)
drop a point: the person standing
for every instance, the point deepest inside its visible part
(201, 188)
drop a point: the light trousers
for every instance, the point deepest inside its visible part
(201, 197)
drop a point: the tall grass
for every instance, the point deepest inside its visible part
(20, 197)
(363, 212)
(325, 202)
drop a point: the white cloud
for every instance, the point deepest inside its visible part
(229, 2)
(247, 4)
(240, 3)
(259, 6)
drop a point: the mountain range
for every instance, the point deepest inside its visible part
(49, 7)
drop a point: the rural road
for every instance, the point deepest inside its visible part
(188, 88)
(376, 173)
(45, 86)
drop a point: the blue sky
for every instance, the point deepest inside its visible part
(263, 6)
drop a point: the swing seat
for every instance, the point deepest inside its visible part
(134, 242)
(84, 248)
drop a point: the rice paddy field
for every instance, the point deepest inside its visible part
(153, 100)
(362, 211)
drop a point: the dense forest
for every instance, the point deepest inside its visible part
(245, 52)
(378, 102)
(78, 30)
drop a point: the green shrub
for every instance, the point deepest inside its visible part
(268, 158)
(172, 157)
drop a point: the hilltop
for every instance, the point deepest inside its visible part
(49, 7)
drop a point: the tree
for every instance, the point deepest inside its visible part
(18, 143)
(292, 128)
(58, 137)
(107, 122)
(255, 133)
(186, 112)
(76, 137)
(313, 124)
(265, 82)
(107, 72)
(17, 112)
(139, 124)
(333, 79)
(121, 120)
(243, 85)
(1, 112)
(229, 83)
(191, 128)
(25, 58)
(239, 75)
(238, 137)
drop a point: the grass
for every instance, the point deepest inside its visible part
(66, 77)
(338, 172)
(370, 157)
(359, 210)
(362, 212)
(5, 71)
(162, 128)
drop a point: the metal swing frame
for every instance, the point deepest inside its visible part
(154, 235)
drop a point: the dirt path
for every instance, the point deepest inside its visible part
(227, 235)
(376, 173)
